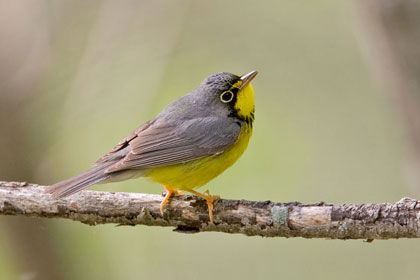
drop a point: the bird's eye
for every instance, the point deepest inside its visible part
(226, 96)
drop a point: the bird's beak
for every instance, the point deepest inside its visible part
(246, 79)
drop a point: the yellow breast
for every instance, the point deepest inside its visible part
(199, 172)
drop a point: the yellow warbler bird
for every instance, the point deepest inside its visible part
(193, 140)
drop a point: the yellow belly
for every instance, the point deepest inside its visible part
(196, 173)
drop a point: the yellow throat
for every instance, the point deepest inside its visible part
(199, 172)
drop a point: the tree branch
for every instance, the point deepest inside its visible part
(189, 214)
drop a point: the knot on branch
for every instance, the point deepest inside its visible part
(188, 214)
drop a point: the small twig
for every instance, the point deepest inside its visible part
(189, 214)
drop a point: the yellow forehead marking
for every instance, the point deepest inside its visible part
(237, 84)
(245, 100)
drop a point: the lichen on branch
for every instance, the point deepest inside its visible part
(189, 214)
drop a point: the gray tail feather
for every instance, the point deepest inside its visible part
(82, 181)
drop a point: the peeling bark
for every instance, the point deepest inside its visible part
(189, 214)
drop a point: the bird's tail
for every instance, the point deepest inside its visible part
(82, 181)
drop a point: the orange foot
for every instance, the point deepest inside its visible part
(168, 195)
(209, 199)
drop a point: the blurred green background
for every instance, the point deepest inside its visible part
(77, 76)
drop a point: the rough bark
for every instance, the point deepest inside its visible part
(188, 214)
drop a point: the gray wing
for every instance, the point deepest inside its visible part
(120, 151)
(167, 143)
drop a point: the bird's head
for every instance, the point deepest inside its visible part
(230, 94)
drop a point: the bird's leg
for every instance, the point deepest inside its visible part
(209, 199)
(168, 195)
(215, 197)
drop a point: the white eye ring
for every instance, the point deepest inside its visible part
(226, 96)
